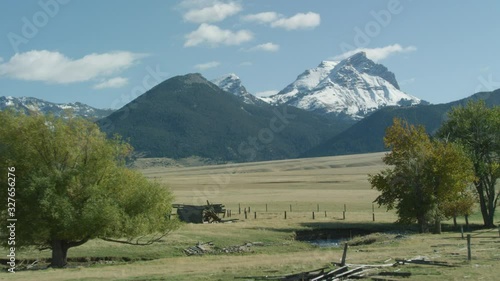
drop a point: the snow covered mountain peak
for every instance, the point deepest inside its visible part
(232, 83)
(352, 88)
(229, 81)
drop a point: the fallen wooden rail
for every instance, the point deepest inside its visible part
(424, 262)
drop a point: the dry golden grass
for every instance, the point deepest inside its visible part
(328, 181)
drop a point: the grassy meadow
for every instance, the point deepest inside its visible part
(304, 185)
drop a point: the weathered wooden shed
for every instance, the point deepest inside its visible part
(200, 214)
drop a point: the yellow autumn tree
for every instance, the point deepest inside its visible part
(422, 176)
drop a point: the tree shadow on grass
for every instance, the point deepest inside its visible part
(343, 226)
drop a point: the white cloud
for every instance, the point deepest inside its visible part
(215, 12)
(266, 93)
(378, 54)
(208, 65)
(265, 17)
(54, 67)
(267, 47)
(213, 36)
(298, 21)
(116, 82)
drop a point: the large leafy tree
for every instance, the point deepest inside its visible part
(423, 176)
(71, 185)
(477, 128)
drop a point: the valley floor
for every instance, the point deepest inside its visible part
(304, 185)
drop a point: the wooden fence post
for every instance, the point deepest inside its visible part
(239, 209)
(469, 256)
(344, 255)
(266, 208)
(290, 207)
(325, 214)
(462, 230)
(373, 212)
(317, 207)
(255, 215)
(313, 215)
(245, 213)
(285, 215)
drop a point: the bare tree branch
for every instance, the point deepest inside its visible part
(137, 243)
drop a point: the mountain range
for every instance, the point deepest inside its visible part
(351, 88)
(29, 105)
(335, 108)
(190, 116)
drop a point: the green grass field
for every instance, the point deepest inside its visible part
(303, 184)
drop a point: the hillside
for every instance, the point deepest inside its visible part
(189, 116)
(367, 135)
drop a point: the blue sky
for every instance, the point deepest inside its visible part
(105, 53)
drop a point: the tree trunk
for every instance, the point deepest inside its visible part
(422, 224)
(454, 221)
(491, 206)
(437, 226)
(490, 220)
(486, 205)
(467, 222)
(59, 253)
